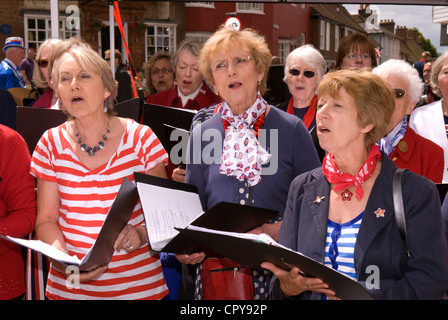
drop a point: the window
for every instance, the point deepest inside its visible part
(160, 38)
(38, 29)
(249, 7)
(302, 39)
(327, 36)
(200, 36)
(322, 35)
(336, 38)
(283, 50)
(201, 4)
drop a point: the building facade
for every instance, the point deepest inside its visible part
(285, 26)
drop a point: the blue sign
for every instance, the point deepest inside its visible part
(5, 29)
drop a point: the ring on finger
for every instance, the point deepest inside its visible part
(130, 246)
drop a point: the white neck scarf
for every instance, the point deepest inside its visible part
(242, 155)
(191, 96)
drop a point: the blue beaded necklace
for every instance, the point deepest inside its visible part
(92, 150)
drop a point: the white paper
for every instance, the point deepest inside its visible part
(47, 250)
(165, 211)
(262, 237)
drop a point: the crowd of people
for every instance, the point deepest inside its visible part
(336, 145)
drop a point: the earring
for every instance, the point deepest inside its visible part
(105, 106)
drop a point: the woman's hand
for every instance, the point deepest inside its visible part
(293, 283)
(271, 229)
(130, 238)
(194, 258)
(179, 174)
(83, 276)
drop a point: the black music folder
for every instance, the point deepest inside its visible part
(102, 250)
(251, 250)
(129, 109)
(169, 204)
(164, 120)
(32, 122)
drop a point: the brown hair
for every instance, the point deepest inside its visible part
(374, 98)
(150, 64)
(38, 77)
(63, 47)
(224, 39)
(356, 41)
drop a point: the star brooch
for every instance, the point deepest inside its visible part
(379, 213)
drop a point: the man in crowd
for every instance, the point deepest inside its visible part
(10, 75)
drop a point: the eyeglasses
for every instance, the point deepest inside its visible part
(363, 56)
(399, 93)
(43, 63)
(107, 59)
(296, 73)
(237, 62)
(163, 70)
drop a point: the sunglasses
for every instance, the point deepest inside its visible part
(296, 73)
(399, 93)
(42, 63)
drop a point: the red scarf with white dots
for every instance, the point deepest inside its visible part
(346, 180)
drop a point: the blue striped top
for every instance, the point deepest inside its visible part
(340, 246)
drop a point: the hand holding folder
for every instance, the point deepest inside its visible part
(102, 250)
(252, 250)
(168, 205)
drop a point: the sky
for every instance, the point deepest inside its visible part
(411, 16)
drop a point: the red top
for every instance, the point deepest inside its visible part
(170, 98)
(44, 100)
(17, 209)
(419, 155)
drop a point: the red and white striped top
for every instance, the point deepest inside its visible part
(86, 196)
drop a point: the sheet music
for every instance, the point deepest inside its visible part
(165, 211)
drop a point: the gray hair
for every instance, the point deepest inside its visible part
(191, 45)
(310, 56)
(405, 71)
(435, 71)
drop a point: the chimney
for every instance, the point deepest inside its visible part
(362, 11)
(402, 32)
(413, 34)
(389, 25)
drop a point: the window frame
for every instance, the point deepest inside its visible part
(172, 38)
(63, 32)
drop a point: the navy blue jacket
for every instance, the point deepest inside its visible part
(422, 276)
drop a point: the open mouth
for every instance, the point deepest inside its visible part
(77, 99)
(323, 129)
(235, 85)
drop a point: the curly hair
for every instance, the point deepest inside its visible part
(224, 39)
